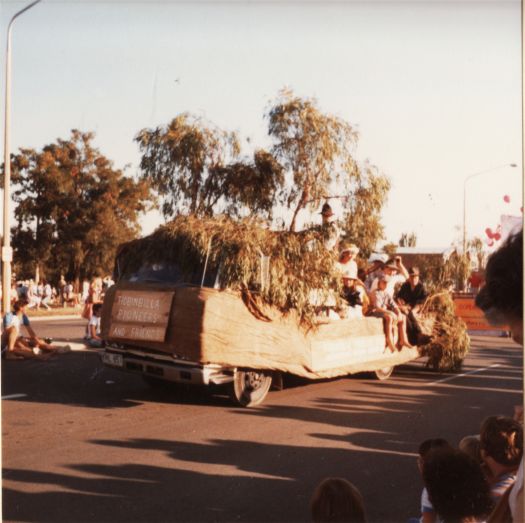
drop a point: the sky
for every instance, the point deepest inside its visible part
(434, 88)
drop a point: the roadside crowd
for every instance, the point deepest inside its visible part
(482, 479)
(26, 295)
(43, 294)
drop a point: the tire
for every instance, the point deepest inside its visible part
(384, 373)
(250, 387)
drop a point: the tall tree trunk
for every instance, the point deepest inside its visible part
(300, 205)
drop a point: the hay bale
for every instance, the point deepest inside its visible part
(450, 342)
(299, 261)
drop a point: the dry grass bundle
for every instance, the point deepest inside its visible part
(450, 342)
(298, 261)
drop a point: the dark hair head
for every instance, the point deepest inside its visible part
(456, 485)
(97, 307)
(502, 295)
(336, 499)
(502, 439)
(19, 304)
(433, 443)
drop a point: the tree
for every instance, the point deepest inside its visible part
(408, 240)
(314, 149)
(73, 207)
(246, 186)
(390, 249)
(367, 191)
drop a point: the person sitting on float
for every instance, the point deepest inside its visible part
(354, 294)
(347, 258)
(384, 306)
(395, 273)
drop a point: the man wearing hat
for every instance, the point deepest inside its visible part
(330, 228)
(395, 273)
(410, 298)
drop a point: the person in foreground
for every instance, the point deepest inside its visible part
(501, 300)
(456, 486)
(19, 347)
(336, 499)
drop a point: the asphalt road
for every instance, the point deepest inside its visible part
(85, 443)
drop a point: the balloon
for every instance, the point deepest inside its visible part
(506, 198)
(497, 236)
(489, 233)
(490, 243)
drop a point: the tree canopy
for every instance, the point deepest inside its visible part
(313, 147)
(73, 208)
(196, 167)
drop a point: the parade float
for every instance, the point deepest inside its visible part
(217, 301)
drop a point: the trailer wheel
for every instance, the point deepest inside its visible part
(250, 387)
(384, 373)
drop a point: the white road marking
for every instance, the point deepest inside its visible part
(14, 396)
(450, 378)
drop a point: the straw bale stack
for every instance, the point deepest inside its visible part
(450, 342)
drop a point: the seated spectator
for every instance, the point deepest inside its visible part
(354, 294)
(410, 298)
(373, 271)
(456, 486)
(93, 336)
(384, 306)
(471, 445)
(13, 295)
(501, 443)
(336, 499)
(347, 256)
(428, 514)
(70, 296)
(18, 347)
(33, 299)
(47, 295)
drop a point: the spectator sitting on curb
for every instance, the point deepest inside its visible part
(93, 337)
(501, 443)
(456, 486)
(336, 499)
(18, 347)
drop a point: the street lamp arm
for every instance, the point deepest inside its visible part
(467, 178)
(473, 175)
(16, 15)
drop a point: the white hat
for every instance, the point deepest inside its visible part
(350, 271)
(352, 248)
(376, 256)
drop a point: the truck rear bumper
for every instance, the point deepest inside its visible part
(165, 367)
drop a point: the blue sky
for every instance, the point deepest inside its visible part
(434, 88)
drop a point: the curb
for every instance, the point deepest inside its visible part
(55, 318)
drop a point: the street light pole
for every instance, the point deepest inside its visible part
(7, 251)
(469, 177)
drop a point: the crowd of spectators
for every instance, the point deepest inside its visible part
(44, 295)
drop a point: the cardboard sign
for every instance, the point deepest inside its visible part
(473, 316)
(140, 315)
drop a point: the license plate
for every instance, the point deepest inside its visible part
(113, 359)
